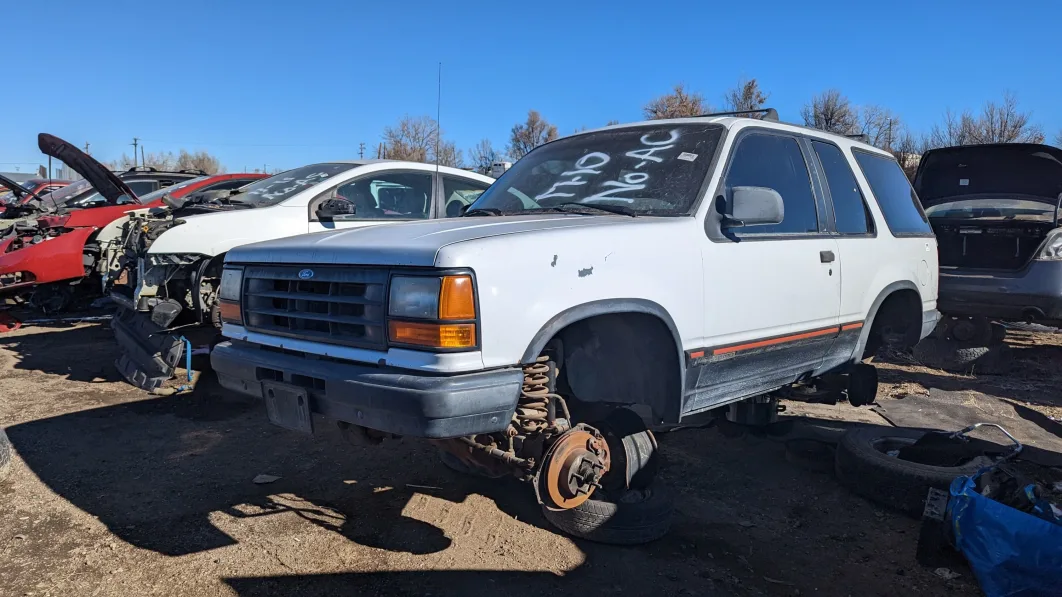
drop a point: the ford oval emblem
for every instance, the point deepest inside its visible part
(306, 274)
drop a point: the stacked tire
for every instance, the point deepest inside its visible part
(966, 345)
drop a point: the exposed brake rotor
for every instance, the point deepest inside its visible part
(573, 467)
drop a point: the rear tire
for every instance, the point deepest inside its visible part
(951, 356)
(6, 454)
(632, 518)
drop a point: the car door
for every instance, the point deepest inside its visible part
(771, 292)
(852, 224)
(376, 198)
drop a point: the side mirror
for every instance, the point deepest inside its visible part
(333, 208)
(754, 206)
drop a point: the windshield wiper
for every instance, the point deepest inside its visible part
(576, 207)
(483, 211)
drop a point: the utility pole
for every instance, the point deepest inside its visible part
(361, 150)
(143, 162)
(136, 140)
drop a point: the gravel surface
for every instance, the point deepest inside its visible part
(116, 492)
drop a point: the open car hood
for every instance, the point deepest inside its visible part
(1025, 170)
(109, 186)
(16, 189)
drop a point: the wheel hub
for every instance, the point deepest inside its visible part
(573, 467)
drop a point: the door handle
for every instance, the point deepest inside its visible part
(827, 256)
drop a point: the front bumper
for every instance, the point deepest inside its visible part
(1032, 293)
(399, 401)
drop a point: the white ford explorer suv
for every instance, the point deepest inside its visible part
(664, 268)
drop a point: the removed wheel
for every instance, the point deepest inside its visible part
(865, 466)
(951, 356)
(5, 454)
(634, 517)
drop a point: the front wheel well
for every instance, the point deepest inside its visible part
(896, 323)
(619, 359)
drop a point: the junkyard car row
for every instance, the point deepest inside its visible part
(540, 325)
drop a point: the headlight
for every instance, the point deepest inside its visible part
(229, 295)
(231, 283)
(416, 297)
(1052, 248)
(448, 303)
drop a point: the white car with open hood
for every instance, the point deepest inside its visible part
(165, 263)
(608, 281)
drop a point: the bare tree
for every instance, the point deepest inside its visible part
(908, 151)
(533, 132)
(747, 96)
(612, 122)
(483, 155)
(1058, 138)
(199, 160)
(1001, 122)
(831, 111)
(680, 103)
(881, 126)
(1006, 123)
(414, 139)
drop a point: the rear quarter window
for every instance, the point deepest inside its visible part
(896, 197)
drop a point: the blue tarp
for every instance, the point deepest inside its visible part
(1012, 554)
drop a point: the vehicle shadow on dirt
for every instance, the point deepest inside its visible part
(153, 471)
(66, 350)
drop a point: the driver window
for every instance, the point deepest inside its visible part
(142, 187)
(459, 193)
(389, 195)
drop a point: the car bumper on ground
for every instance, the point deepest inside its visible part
(1031, 294)
(149, 354)
(398, 401)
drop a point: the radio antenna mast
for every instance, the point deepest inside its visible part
(438, 119)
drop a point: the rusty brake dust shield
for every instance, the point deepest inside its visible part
(149, 353)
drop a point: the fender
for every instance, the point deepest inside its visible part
(868, 324)
(52, 260)
(668, 411)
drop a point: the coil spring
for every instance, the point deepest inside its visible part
(532, 409)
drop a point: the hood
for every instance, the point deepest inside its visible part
(1006, 170)
(409, 243)
(104, 181)
(215, 233)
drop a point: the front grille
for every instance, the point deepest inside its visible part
(338, 305)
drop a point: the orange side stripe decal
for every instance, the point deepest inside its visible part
(851, 326)
(773, 341)
(697, 354)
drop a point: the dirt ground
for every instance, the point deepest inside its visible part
(116, 492)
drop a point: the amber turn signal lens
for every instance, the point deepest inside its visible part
(456, 298)
(434, 335)
(230, 312)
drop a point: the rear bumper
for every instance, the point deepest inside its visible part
(929, 322)
(1033, 293)
(399, 401)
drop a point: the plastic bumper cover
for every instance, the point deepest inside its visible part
(392, 400)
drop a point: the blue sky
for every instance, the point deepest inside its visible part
(287, 83)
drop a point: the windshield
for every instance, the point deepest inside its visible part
(172, 189)
(275, 189)
(993, 208)
(58, 196)
(648, 170)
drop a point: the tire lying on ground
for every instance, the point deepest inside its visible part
(864, 467)
(951, 356)
(6, 454)
(632, 518)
